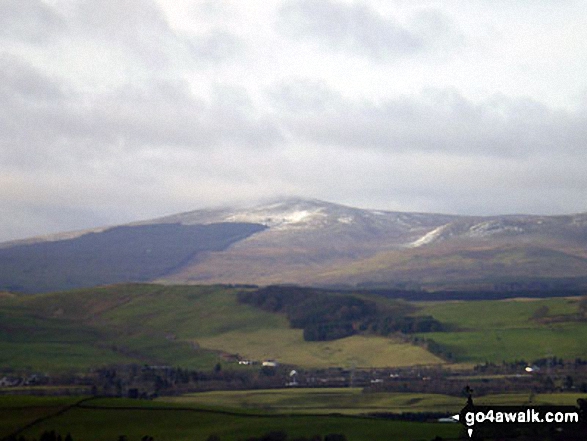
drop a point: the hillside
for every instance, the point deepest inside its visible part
(192, 326)
(188, 326)
(120, 254)
(310, 242)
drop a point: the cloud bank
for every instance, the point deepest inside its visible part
(124, 110)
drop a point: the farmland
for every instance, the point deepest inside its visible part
(119, 332)
(192, 326)
(510, 329)
(234, 415)
(185, 326)
(107, 419)
(354, 401)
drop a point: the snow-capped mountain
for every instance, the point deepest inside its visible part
(308, 241)
(296, 213)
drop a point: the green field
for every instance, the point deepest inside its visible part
(288, 346)
(107, 419)
(18, 411)
(348, 401)
(78, 330)
(184, 326)
(236, 415)
(506, 330)
(190, 326)
(353, 401)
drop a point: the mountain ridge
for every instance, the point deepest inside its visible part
(312, 242)
(246, 215)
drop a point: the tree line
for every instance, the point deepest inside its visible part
(327, 315)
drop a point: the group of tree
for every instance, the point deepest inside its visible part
(146, 382)
(329, 315)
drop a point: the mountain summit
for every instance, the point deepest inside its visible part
(307, 241)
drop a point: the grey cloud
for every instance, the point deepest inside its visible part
(304, 97)
(437, 31)
(216, 46)
(212, 8)
(356, 28)
(20, 81)
(124, 19)
(108, 109)
(52, 123)
(31, 103)
(137, 27)
(43, 124)
(168, 114)
(438, 121)
(141, 30)
(32, 21)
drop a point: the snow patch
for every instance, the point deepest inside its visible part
(280, 219)
(429, 237)
(492, 227)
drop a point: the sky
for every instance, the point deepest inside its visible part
(114, 111)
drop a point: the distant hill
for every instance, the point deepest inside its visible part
(311, 242)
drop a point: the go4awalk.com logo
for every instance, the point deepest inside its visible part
(564, 422)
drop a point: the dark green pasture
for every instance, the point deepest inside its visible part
(108, 419)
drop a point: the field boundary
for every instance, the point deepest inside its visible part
(45, 418)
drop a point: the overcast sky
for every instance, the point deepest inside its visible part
(120, 110)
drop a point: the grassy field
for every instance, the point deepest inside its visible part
(507, 330)
(352, 401)
(18, 411)
(107, 419)
(189, 326)
(178, 325)
(118, 324)
(348, 401)
(493, 314)
(236, 415)
(288, 346)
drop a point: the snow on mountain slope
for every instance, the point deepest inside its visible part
(429, 237)
(293, 214)
(308, 241)
(312, 214)
(283, 216)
